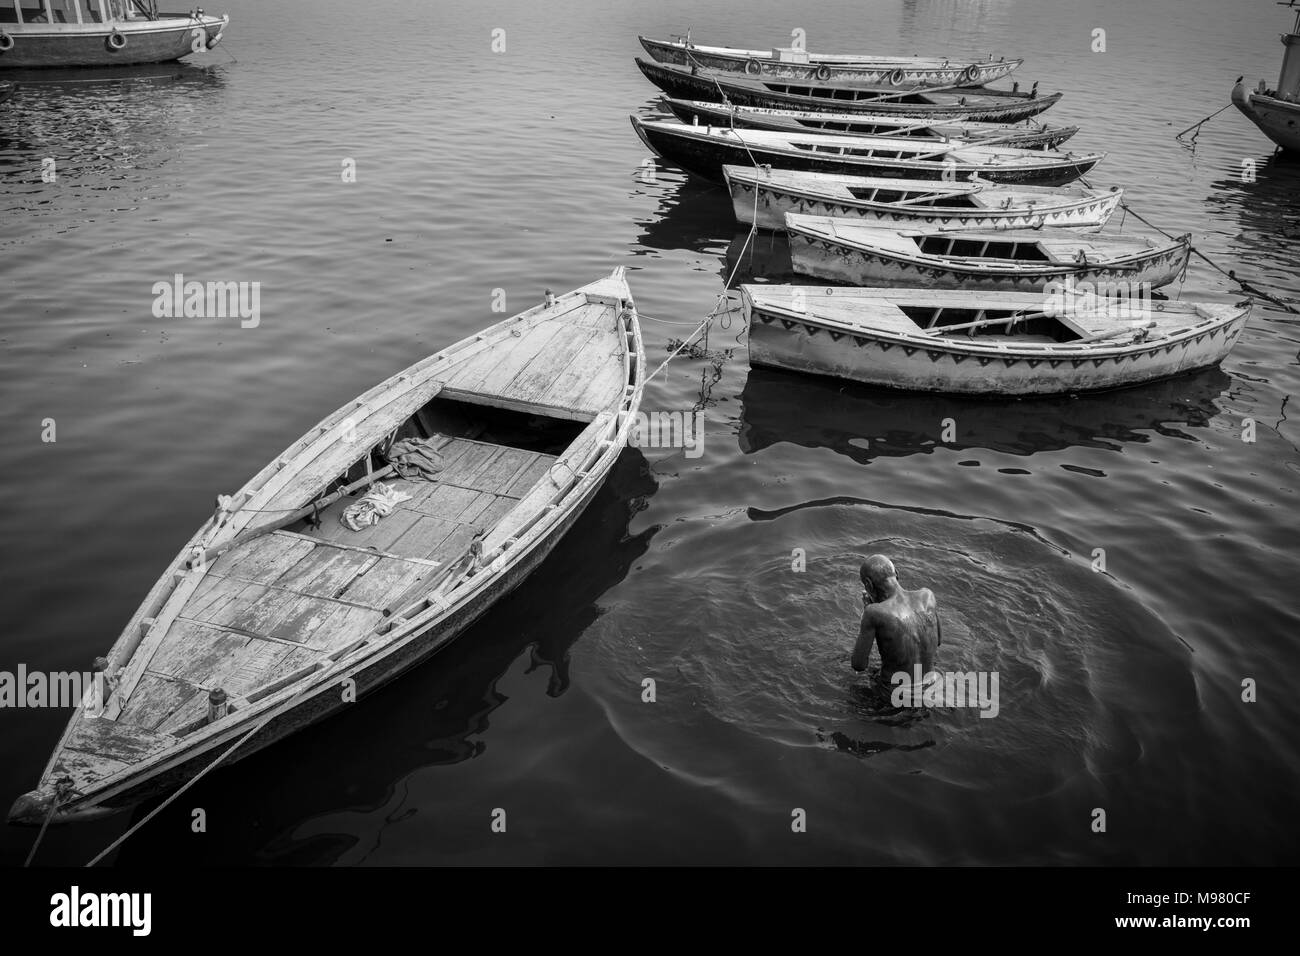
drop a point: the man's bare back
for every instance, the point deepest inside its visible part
(904, 623)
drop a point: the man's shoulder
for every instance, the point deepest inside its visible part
(924, 596)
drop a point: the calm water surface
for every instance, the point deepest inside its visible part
(518, 171)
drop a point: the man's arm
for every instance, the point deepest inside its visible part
(862, 650)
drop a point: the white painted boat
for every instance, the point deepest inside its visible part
(268, 620)
(981, 343)
(911, 203)
(1028, 135)
(1014, 260)
(799, 64)
(77, 33)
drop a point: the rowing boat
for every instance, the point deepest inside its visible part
(1002, 343)
(1013, 260)
(705, 150)
(798, 64)
(864, 124)
(913, 203)
(277, 614)
(974, 105)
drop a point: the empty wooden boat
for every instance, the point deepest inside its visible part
(704, 150)
(75, 33)
(1013, 260)
(865, 124)
(797, 64)
(1000, 343)
(765, 195)
(276, 606)
(974, 104)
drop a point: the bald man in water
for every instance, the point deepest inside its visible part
(904, 623)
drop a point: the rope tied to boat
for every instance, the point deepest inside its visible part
(1229, 273)
(1191, 143)
(62, 790)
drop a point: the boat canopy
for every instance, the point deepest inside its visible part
(77, 11)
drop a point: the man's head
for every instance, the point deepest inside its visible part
(878, 577)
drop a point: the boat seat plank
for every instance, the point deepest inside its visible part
(423, 537)
(389, 576)
(326, 571)
(155, 699)
(491, 371)
(263, 558)
(116, 741)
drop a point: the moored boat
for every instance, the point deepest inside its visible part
(980, 104)
(912, 203)
(330, 568)
(1001, 343)
(1016, 260)
(798, 64)
(76, 33)
(865, 124)
(704, 150)
(1276, 112)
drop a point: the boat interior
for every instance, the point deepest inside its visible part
(982, 248)
(1040, 328)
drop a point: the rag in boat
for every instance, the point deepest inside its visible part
(415, 459)
(377, 503)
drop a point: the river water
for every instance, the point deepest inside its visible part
(478, 171)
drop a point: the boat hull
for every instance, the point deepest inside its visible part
(705, 157)
(1279, 120)
(906, 72)
(821, 257)
(777, 340)
(773, 202)
(990, 108)
(40, 46)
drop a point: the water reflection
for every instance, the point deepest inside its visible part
(863, 423)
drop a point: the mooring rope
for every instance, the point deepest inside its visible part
(1229, 273)
(1191, 144)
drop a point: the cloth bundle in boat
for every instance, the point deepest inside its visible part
(377, 503)
(414, 459)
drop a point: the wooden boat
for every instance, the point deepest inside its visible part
(864, 124)
(67, 33)
(796, 64)
(704, 150)
(529, 415)
(7, 90)
(1013, 260)
(1276, 112)
(1000, 343)
(980, 104)
(913, 203)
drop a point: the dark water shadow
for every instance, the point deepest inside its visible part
(864, 423)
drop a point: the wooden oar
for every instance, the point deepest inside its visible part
(1005, 320)
(211, 554)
